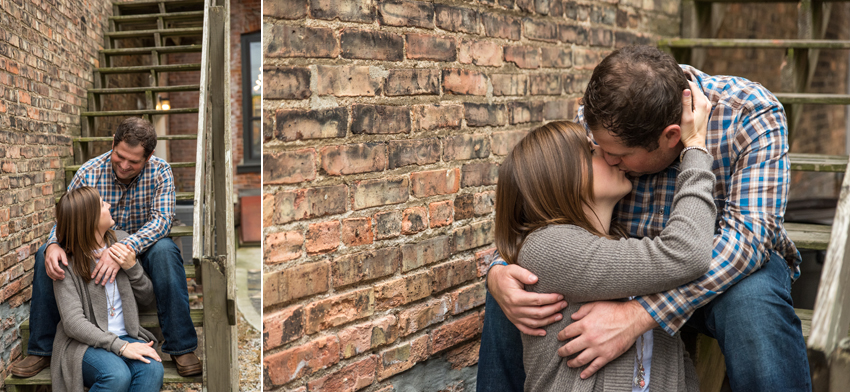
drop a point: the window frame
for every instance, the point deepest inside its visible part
(250, 163)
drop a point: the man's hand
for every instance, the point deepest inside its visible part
(603, 331)
(106, 268)
(123, 255)
(529, 312)
(53, 254)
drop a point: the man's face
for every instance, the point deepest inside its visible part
(127, 161)
(636, 161)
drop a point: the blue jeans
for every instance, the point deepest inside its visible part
(105, 371)
(164, 266)
(754, 322)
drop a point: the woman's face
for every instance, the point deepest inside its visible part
(609, 182)
(105, 221)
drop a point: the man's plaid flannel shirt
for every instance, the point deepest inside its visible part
(144, 208)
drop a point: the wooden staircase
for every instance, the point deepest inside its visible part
(147, 32)
(826, 328)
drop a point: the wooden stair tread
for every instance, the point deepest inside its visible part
(74, 168)
(149, 320)
(809, 236)
(760, 1)
(181, 231)
(753, 43)
(818, 162)
(152, 17)
(185, 31)
(149, 49)
(109, 138)
(134, 4)
(180, 196)
(153, 89)
(43, 377)
(813, 99)
(138, 112)
(146, 68)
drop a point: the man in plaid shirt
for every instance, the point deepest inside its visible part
(140, 190)
(630, 110)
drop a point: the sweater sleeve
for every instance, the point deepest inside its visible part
(585, 267)
(74, 321)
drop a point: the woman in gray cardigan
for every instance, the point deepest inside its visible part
(99, 343)
(554, 202)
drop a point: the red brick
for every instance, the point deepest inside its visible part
(540, 30)
(480, 173)
(354, 158)
(430, 117)
(351, 378)
(465, 355)
(436, 182)
(297, 282)
(483, 258)
(472, 236)
(289, 167)
(360, 338)
(525, 112)
(322, 237)
(573, 35)
(309, 203)
(424, 253)
(504, 142)
(440, 213)
(587, 59)
(380, 192)
(362, 11)
(561, 109)
(457, 19)
(339, 309)
(419, 317)
(526, 5)
(402, 357)
(463, 147)
(509, 84)
(282, 327)
(468, 297)
(464, 82)
(286, 9)
(431, 47)
(484, 114)
(526, 57)
(452, 333)
(575, 83)
(365, 266)
(371, 45)
(406, 13)
(281, 247)
(501, 26)
(415, 220)
(357, 231)
(347, 81)
(484, 202)
(463, 206)
(556, 57)
(387, 224)
(413, 152)
(297, 41)
(478, 52)
(453, 273)
(544, 84)
(413, 82)
(402, 291)
(298, 124)
(380, 119)
(286, 82)
(601, 37)
(285, 366)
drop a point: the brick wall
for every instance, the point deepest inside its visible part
(47, 52)
(384, 125)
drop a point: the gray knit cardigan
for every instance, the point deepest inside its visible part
(83, 309)
(584, 268)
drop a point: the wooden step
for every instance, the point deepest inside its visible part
(180, 231)
(809, 236)
(170, 16)
(179, 32)
(180, 196)
(149, 49)
(144, 3)
(109, 138)
(813, 99)
(148, 320)
(153, 89)
(148, 68)
(753, 43)
(43, 378)
(761, 1)
(116, 113)
(74, 168)
(818, 162)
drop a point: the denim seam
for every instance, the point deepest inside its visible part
(181, 352)
(39, 353)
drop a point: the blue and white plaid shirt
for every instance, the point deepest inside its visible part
(144, 208)
(748, 137)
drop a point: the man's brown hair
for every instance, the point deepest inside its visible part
(136, 131)
(77, 218)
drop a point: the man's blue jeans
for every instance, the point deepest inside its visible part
(162, 263)
(754, 322)
(105, 371)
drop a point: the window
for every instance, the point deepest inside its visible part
(252, 96)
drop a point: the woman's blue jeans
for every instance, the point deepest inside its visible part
(754, 322)
(105, 371)
(162, 263)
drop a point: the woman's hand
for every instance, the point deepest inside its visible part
(694, 121)
(139, 351)
(123, 255)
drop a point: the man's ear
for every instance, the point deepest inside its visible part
(670, 136)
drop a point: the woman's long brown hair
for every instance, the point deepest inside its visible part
(546, 179)
(77, 218)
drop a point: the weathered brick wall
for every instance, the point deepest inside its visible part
(384, 125)
(47, 52)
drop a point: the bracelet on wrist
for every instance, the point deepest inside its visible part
(703, 149)
(121, 351)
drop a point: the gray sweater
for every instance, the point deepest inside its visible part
(583, 267)
(83, 309)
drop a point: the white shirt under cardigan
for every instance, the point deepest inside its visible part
(116, 318)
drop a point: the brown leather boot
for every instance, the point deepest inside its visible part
(187, 364)
(30, 366)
